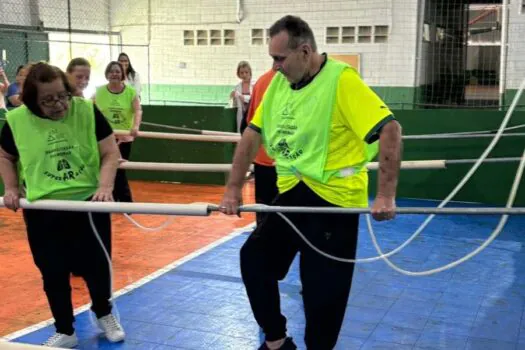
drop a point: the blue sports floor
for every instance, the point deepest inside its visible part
(201, 304)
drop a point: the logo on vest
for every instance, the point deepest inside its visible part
(65, 171)
(283, 149)
(63, 165)
(116, 115)
(54, 136)
(286, 112)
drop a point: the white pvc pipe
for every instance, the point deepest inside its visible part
(183, 137)
(404, 210)
(186, 167)
(205, 209)
(221, 133)
(191, 167)
(414, 164)
(191, 130)
(113, 207)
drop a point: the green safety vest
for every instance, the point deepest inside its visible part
(296, 125)
(59, 159)
(117, 108)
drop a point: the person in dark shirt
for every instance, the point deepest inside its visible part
(62, 148)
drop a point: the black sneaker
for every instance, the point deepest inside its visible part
(287, 345)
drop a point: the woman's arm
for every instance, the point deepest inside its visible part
(137, 110)
(5, 84)
(109, 156)
(9, 176)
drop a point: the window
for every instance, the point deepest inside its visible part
(381, 34)
(202, 37)
(189, 37)
(257, 36)
(229, 37)
(215, 37)
(348, 36)
(365, 34)
(332, 35)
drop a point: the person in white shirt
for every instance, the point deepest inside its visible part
(132, 76)
(242, 92)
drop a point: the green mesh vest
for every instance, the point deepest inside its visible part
(117, 108)
(296, 125)
(58, 159)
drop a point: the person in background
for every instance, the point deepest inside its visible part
(4, 84)
(67, 151)
(131, 75)
(120, 104)
(79, 71)
(242, 92)
(13, 91)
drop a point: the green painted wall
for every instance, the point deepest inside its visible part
(490, 184)
(21, 48)
(164, 94)
(202, 118)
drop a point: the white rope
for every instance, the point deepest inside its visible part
(461, 184)
(489, 240)
(211, 136)
(161, 227)
(438, 135)
(110, 268)
(519, 126)
(457, 136)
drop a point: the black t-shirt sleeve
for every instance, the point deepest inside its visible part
(7, 141)
(102, 127)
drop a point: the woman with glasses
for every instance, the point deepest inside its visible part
(120, 104)
(67, 151)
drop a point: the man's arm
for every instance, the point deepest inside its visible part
(390, 149)
(244, 155)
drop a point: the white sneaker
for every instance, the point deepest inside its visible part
(59, 340)
(112, 328)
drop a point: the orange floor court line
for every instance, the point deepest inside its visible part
(136, 253)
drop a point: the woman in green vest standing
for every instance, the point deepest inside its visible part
(120, 104)
(67, 151)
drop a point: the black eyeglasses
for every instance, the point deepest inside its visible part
(51, 101)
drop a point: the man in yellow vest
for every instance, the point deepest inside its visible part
(322, 124)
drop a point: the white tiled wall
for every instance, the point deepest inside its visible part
(388, 64)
